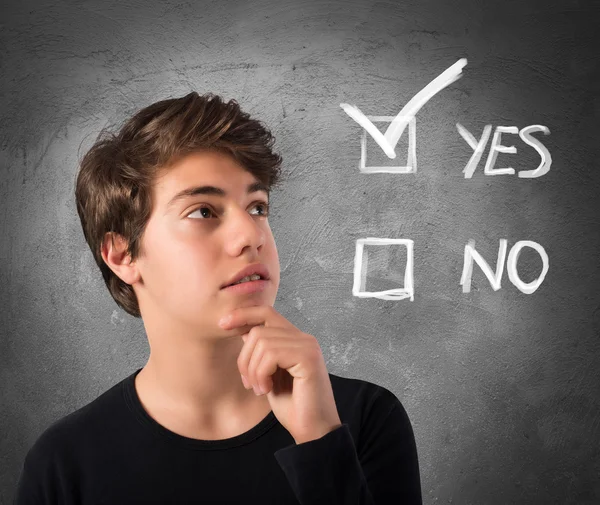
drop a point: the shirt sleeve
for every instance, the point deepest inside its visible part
(329, 470)
(28, 487)
(44, 476)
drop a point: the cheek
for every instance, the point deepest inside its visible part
(185, 267)
(194, 268)
(202, 270)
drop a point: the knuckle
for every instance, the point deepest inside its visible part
(316, 350)
(255, 330)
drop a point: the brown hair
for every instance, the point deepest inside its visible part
(113, 189)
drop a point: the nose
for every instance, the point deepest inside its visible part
(245, 229)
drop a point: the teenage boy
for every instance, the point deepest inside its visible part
(175, 210)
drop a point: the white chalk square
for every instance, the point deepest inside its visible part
(411, 158)
(361, 267)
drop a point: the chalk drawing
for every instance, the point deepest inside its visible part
(544, 166)
(511, 266)
(389, 140)
(496, 147)
(361, 262)
(388, 143)
(478, 147)
(411, 158)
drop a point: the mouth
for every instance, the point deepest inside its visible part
(247, 287)
(250, 273)
(250, 278)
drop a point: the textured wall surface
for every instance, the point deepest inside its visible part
(502, 387)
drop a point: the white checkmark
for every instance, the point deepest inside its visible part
(394, 131)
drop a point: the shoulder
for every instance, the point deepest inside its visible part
(52, 463)
(61, 439)
(374, 414)
(349, 390)
(362, 402)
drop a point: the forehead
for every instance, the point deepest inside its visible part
(194, 173)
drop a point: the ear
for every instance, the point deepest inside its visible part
(118, 259)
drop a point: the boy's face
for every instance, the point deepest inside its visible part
(195, 244)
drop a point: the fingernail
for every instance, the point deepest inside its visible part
(224, 320)
(245, 381)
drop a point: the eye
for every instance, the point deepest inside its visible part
(258, 204)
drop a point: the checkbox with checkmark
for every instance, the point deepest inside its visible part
(378, 163)
(406, 117)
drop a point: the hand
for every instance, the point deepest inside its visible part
(288, 366)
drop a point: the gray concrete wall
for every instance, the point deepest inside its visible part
(502, 387)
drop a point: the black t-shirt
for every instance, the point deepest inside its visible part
(111, 452)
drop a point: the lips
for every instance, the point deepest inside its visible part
(255, 268)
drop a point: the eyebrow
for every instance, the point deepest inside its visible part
(213, 190)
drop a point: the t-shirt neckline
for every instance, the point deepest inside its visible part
(135, 405)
